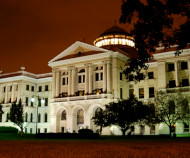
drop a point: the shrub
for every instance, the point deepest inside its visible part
(85, 131)
(8, 130)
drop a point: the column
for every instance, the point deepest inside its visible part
(53, 83)
(86, 79)
(90, 78)
(57, 83)
(69, 81)
(108, 77)
(176, 73)
(162, 78)
(116, 81)
(73, 81)
(13, 93)
(1, 93)
(104, 78)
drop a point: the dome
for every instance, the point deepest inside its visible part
(114, 36)
(115, 30)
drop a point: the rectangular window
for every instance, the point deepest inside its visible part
(150, 75)
(40, 88)
(46, 101)
(26, 100)
(186, 127)
(101, 76)
(10, 88)
(25, 130)
(46, 88)
(79, 79)
(16, 88)
(171, 67)
(63, 81)
(131, 92)
(183, 65)
(30, 130)
(152, 129)
(27, 87)
(45, 130)
(142, 129)
(97, 76)
(32, 103)
(141, 92)
(172, 84)
(121, 93)
(151, 92)
(185, 82)
(4, 89)
(39, 102)
(121, 76)
(32, 89)
(38, 130)
(83, 78)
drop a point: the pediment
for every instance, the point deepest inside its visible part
(76, 50)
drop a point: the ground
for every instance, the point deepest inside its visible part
(102, 147)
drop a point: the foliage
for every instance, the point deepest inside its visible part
(8, 130)
(124, 113)
(85, 131)
(16, 115)
(154, 24)
(172, 108)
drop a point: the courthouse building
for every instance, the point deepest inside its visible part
(84, 78)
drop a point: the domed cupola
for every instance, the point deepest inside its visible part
(114, 36)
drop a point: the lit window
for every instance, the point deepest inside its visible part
(141, 92)
(131, 92)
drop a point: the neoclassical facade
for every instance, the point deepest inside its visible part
(84, 78)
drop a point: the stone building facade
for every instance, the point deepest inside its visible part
(84, 78)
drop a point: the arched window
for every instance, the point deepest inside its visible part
(45, 117)
(31, 117)
(98, 111)
(63, 115)
(26, 117)
(39, 117)
(82, 70)
(80, 116)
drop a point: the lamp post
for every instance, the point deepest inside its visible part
(37, 119)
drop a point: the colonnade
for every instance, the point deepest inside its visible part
(89, 79)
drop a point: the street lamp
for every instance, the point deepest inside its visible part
(42, 101)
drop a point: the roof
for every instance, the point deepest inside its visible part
(114, 30)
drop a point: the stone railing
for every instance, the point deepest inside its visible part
(85, 97)
(178, 89)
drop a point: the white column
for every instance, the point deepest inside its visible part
(86, 79)
(176, 73)
(90, 78)
(13, 93)
(1, 92)
(73, 81)
(108, 77)
(53, 84)
(57, 83)
(162, 75)
(69, 81)
(104, 78)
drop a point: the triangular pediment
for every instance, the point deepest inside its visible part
(77, 49)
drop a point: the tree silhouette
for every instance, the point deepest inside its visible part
(153, 22)
(16, 115)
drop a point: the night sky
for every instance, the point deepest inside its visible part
(33, 32)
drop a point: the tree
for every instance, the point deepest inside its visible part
(154, 23)
(172, 108)
(124, 114)
(99, 119)
(16, 115)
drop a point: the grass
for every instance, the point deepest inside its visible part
(104, 147)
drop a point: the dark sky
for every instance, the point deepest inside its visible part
(32, 32)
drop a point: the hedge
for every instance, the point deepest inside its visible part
(8, 130)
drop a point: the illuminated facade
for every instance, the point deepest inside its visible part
(84, 78)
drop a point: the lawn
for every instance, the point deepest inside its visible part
(95, 148)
